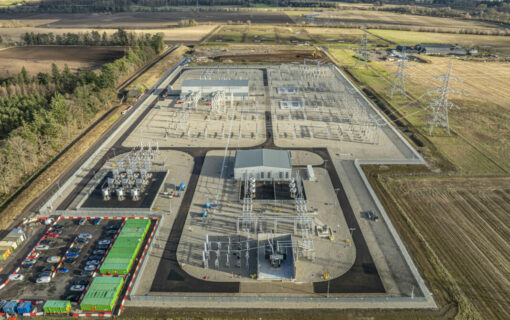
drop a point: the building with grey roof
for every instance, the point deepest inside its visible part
(263, 165)
(239, 88)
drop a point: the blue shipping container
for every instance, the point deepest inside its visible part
(10, 307)
(24, 307)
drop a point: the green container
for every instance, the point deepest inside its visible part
(57, 306)
(126, 247)
(102, 295)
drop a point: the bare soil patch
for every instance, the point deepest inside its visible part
(273, 56)
(39, 58)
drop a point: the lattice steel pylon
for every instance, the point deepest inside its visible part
(364, 52)
(399, 80)
(440, 105)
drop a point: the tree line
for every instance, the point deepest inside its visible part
(41, 113)
(93, 38)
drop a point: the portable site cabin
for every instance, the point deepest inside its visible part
(10, 307)
(102, 294)
(57, 306)
(24, 307)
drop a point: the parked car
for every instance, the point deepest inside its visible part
(44, 279)
(82, 221)
(104, 241)
(91, 267)
(85, 235)
(57, 226)
(73, 298)
(96, 221)
(44, 274)
(69, 260)
(99, 252)
(102, 247)
(45, 241)
(42, 247)
(30, 260)
(62, 270)
(72, 255)
(74, 249)
(112, 227)
(110, 232)
(27, 265)
(48, 268)
(16, 277)
(81, 241)
(77, 288)
(80, 282)
(53, 259)
(52, 235)
(92, 262)
(95, 257)
(86, 273)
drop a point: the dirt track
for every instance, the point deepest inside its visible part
(466, 222)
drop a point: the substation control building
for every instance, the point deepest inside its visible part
(239, 88)
(263, 165)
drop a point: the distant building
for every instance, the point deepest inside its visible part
(239, 88)
(441, 49)
(263, 165)
(409, 50)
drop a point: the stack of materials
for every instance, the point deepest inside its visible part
(11, 242)
(123, 253)
(102, 294)
(57, 306)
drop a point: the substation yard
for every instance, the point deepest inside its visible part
(173, 159)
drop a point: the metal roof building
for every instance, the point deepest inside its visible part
(262, 164)
(239, 88)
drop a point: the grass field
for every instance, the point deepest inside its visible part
(480, 143)
(266, 34)
(151, 76)
(464, 222)
(498, 44)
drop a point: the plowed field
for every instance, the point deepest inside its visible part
(466, 221)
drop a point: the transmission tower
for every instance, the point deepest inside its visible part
(399, 82)
(364, 52)
(440, 105)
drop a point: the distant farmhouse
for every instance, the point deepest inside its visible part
(437, 49)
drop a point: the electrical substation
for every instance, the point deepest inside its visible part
(253, 175)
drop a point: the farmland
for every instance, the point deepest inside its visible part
(479, 145)
(151, 20)
(496, 44)
(39, 59)
(396, 20)
(185, 34)
(465, 222)
(258, 34)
